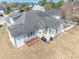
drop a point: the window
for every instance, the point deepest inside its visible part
(50, 31)
(31, 34)
(28, 34)
(46, 29)
(39, 32)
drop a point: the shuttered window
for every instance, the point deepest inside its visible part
(31, 34)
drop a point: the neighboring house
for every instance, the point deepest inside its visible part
(2, 9)
(2, 20)
(2, 16)
(32, 24)
(38, 7)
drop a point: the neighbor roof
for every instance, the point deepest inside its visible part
(2, 8)
(2, 20)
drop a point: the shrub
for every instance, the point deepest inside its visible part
(0, 26)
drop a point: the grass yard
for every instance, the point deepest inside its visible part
(65, 46)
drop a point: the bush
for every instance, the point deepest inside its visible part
(76, 19)
(0, 26)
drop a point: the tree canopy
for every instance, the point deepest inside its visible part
(51, 4)
(42, 2)
(59, 3)
(24, 6)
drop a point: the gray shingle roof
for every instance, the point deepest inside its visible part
(16, 30)
(53, 23)
(49, 20)
(51, 11)
(15, 15)
(2, 8)
(32, 21)
(29, 22)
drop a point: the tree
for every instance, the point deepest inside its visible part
(8, 8)
(0, 26)
(13, 5)
(42, 2)
(4, 3)
(59, 3)
(23, 6)
(50, 5)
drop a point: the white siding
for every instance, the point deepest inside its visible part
(40, 33)
(11, 39)
(47, 35)
(60, 29)
(2, 20)
(16, 43)
(11, 21)
(19, 41)
(2, 11)
(50, 34)
(53, 33)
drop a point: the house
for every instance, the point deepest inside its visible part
(2, 9)
(2, 20)
(32, 24)
(38, 7)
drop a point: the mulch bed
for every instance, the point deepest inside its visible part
(32, 41)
